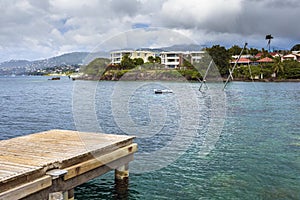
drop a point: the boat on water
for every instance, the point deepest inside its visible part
(54, 78)
(157, 91)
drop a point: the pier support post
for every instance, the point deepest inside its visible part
(57, 174)
(65, 195)
(71, 194)
(68, 195)
(121, 180)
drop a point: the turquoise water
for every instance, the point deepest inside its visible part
(256, 155)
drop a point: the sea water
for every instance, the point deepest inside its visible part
(255, 154)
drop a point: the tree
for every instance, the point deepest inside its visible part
(157, 59)
(277, 66)
(151, 59)
(187, 64)
(296, 47)
(96, 67)
(234, 50)
(291, 69)
(138, 61)
(265, 53)
(253, 51)
(221, 58)
(127, 62)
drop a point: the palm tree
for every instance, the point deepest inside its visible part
(277, 66)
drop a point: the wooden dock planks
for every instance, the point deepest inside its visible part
(26, 159)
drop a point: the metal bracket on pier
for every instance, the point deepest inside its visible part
(57, 173)
(64, 195)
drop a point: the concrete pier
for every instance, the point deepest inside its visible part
(49, 165)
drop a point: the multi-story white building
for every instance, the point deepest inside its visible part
(195, 56)
(116, 56)
(173, 59)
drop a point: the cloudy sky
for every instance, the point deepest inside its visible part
(35, 29)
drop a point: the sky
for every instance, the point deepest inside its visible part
(37, 29)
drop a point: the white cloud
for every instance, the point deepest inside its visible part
(33, 29)
(201, 14)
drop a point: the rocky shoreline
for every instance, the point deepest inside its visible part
(266, 80)
(145, 77)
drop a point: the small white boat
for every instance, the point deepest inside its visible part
(156, 91)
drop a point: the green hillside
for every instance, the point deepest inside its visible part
(96, 68)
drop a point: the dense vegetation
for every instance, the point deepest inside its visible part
(296, 47)
(288, 69)
(101, 69)
(97, 67)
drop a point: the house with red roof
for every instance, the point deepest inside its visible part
(265, 60)
(241, 61)
(273, 54)
(258, 55)
(246, 61)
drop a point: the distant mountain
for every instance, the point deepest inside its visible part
(184, 47)
(74, 58)
(15, 63)
(68, 59)
(178, 47)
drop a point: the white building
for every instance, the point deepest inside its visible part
(248, 56)
(295, 57)
(196, 56)
(116, 56)
(173, 59)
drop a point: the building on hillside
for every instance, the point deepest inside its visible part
(273, 54)
(246, 61)
(116, 56)
(265, 60)
(295, 52)
(242, 56)
(298, 57)
(195, 56)
(171, 59)
(295, 57)
(241, 62)
(259, 55)
(174, 59)
(142, 54)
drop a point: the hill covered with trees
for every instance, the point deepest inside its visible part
(101, 69)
